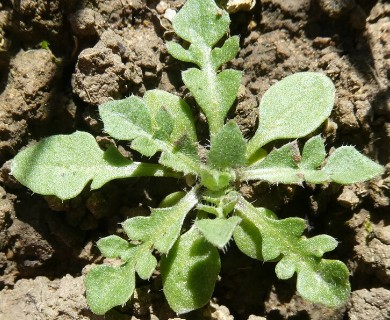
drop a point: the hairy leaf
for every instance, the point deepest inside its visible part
(293, 108)
(215, 93)
(189, 272)
(227, 52)
(313, 154)
(201, 22)
(183, 121)
(346, 165)
(126, 119)
(227, 147)
(163, 226)
(108, 286)
(145, 265)
(170, 128)
(319, 280)
(218, 231)
(114, 247)
(62, 165)
(179, 53)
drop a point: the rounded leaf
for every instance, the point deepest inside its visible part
(107, 287)
(293, 108)
(189, 272)
(201, 22)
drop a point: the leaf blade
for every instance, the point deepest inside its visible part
(304, 95)
(189, 272)
(107, 287)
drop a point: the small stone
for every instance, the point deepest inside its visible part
(169, 14)
(161, 7)
(348, 198)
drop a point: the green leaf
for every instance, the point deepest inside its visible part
(126, 119)
(201, 22)
(346, 165)
(145, 265)
(227, 52)
(281, 166)
(218, 231)
(163, 226)
(114, 247)
(215, 93)
(293, 108)
(325, 282)
(248, 236)
(189, 272)
(227, 147)
(183, 121)
(319, 280)
(313, 154)
(62, 165)
(166, 126)
(179, 53)
(107, 287)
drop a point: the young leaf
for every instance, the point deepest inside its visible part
(163, 226)
(313, 154)
(108, 286)
(178, 109)
(305, 95)
(227, 147)
(319, 280)
(189, 272)
(346, 165)
(201, 22)
(218, 231)
(62, 165)
(215, 93)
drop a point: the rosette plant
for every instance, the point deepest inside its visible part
(161, 124)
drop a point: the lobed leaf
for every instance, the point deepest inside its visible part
(163, 226)
(108, 286)
(319, 280)
(126, 119)
(293, 108)
(346, 165)
(62, 165)
(168, 126)
(183, 121)
(215, 93)
(189, 272)
(227, 52)
(179, 53)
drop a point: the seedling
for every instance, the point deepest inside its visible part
(162, 124)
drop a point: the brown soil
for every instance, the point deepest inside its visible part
(101, 50)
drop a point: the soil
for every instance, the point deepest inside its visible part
(59, 59)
